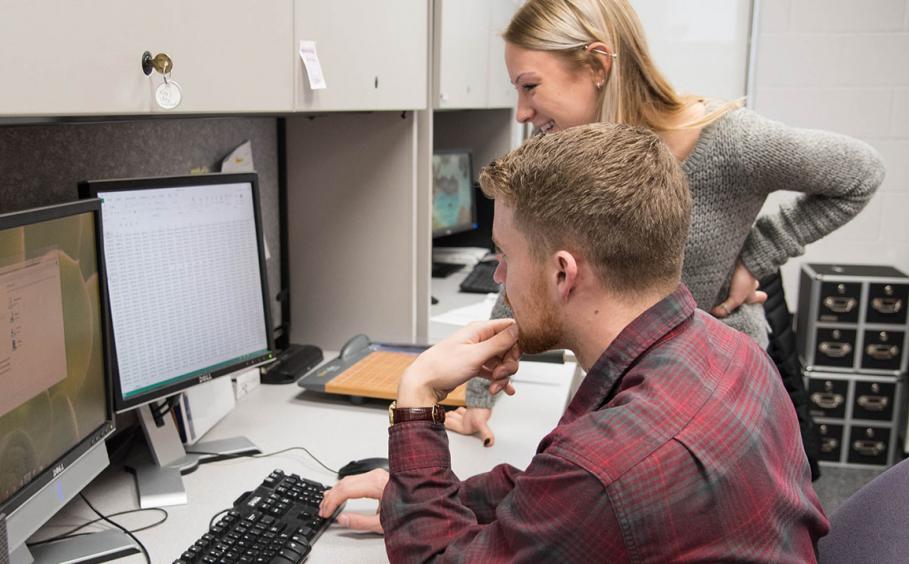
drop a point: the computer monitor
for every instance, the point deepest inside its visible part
(454, 207)
(189, 302)
(55, 404)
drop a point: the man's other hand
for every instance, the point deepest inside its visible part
(369, 485)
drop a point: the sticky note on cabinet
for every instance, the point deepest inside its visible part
(313, 66)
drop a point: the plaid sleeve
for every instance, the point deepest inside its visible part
(547, 515)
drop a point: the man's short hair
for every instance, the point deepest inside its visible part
(612, 192)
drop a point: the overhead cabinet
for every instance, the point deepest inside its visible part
(469, 54)
(85, 57)
(372, 55)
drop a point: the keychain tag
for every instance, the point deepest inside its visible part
(168, 95)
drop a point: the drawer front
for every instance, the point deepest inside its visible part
(835, 347)
(887, 303)
(827, 397)
(869, 445)
(831, 443)
(874, 400)
(882, 350)
(839, 302)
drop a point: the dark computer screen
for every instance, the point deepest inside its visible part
(54, 401)
(453, 193)
(187, 280)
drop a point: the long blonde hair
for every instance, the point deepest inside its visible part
(636, 92)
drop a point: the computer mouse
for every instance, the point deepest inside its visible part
(362, 466)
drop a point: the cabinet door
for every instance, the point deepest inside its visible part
(84, 57)
(373, 55)
(501, 92)
(462, 29)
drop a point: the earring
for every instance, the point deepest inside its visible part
(599, 84)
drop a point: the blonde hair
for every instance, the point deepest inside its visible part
(636, 92)
(612, 192)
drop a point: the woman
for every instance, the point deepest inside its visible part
(577, 61)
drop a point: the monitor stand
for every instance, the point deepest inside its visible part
(160, 480)
(102, 546)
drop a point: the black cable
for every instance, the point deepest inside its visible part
(214, 518)
(115, 524)
(230, 455)
(74, 532)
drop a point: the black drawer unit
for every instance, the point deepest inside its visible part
(883, 350)
(887, 304)
(874, 401)
(858, 417)
(830, 448)
(828, 397)
(852, 318)
(870, 445)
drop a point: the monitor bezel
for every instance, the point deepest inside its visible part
(91, 189)
(474, 224)
(106, 428)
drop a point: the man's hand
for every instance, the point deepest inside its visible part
(484, 348)
(368, 485)
(743, 289)
(471, 421)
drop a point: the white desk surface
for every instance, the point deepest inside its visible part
(277, 417)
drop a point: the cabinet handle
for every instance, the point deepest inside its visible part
(869, 448)
(826, 400)
(873, 403)
(834, 349)
(829, 444)
(882, 352)
(840, 304)
(887, 305)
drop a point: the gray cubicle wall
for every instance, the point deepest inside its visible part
(41, 163)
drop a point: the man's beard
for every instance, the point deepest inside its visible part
(539, 329)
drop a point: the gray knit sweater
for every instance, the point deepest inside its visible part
(737, 161)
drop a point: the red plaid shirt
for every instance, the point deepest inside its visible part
(680, 445)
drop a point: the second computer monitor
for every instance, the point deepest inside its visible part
(453, 194)
(186, 273)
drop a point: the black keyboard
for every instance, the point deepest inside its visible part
(480, 278)
(276, 523)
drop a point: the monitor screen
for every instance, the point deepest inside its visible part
(186, 273)
(453, 193)
(54, 399)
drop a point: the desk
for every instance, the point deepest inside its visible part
(277, 417)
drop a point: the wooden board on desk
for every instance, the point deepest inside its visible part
(375, 375)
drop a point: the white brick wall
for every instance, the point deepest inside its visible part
(843, 65)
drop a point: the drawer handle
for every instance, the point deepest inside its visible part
(882, 352)
(840, 304)
(834, 349)
(829, 444)
(887, 305)
(869, 448)
(873, 403)
(827, 400)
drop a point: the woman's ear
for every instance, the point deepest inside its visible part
(566, 265)
(604, 55)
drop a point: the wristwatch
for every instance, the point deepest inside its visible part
(396, 414)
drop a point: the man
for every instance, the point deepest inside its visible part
(680, 444)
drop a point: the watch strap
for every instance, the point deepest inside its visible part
(436, 414)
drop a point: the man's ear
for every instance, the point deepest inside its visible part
(566, 265)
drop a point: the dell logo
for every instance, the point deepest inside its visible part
(58, 470)
(204, 378)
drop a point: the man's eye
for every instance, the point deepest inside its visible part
(528, 87)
